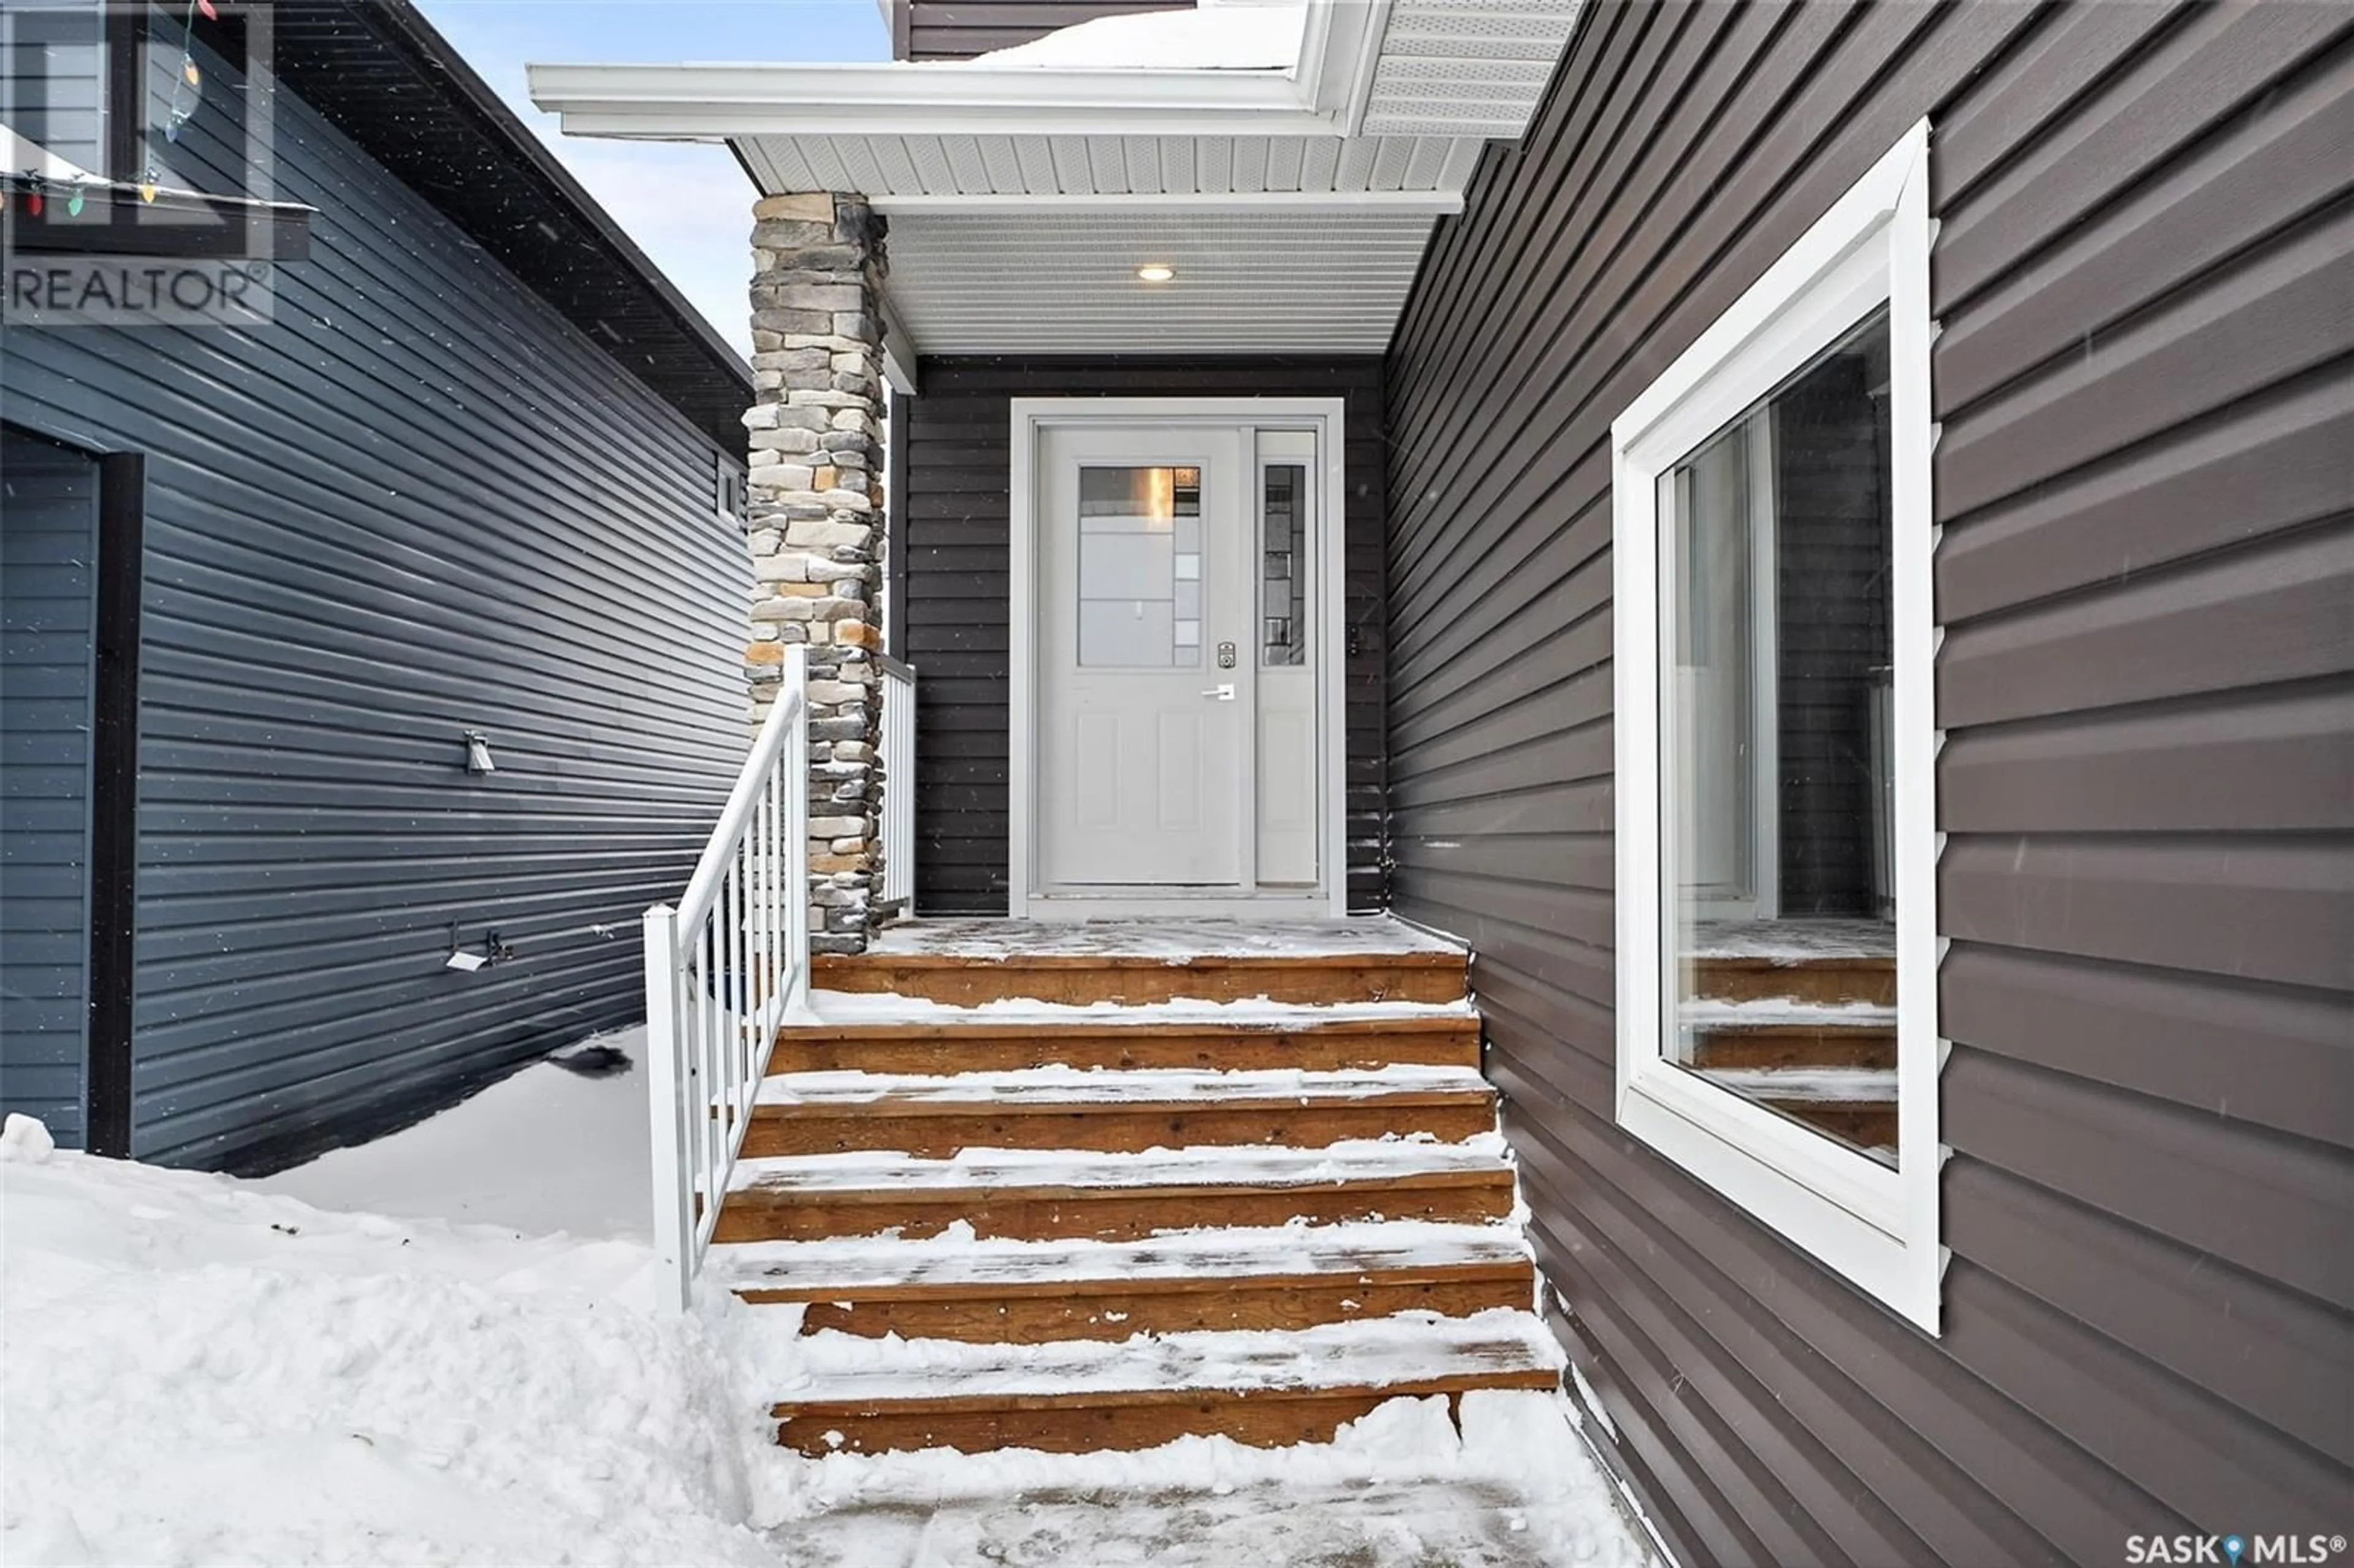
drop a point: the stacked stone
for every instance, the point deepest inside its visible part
(815, 516)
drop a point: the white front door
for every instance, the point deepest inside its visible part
(1147, 689)
(1177, 712)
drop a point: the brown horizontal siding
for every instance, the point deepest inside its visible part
(2146, 478)
(960, 30)
(951, 524)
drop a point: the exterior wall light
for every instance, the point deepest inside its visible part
(1156, 273)
(478, 753)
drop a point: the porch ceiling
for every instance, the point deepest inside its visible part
(1042, 282)
(1293, 206)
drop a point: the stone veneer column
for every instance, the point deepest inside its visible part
(815, 518)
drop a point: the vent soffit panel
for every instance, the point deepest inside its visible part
(913, 166)
(1466, 67)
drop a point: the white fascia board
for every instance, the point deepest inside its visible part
(717, 102)
(1438, 203)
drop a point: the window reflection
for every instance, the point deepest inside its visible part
(1777, 790)
(1140, 577)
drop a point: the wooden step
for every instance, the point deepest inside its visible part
(1869, 1125)
(1269, 1390)
(1052, 1195)
(1847, 979)
(941, 1118)
(1038, 1292)
(1854, 1104)
(1087, 980)
(1795, 1045)
(1367, 1038)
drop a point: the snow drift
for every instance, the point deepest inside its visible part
(200, 1372)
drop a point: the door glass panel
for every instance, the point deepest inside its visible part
(1283, 565)
(1140, 576)
(1776, 785)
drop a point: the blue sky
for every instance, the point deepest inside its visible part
(688, 206)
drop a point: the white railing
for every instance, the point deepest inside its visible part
(724, 971)
(898, 756)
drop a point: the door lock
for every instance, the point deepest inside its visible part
(1224, 694)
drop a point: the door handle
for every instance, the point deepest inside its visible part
(1224, 694)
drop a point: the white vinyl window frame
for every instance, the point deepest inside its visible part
(1876, 1226)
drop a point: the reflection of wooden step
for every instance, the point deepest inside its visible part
(1856, 1105)
(1795, 1045)
(1869, 1125)
(1112, 1112)
(1746, 978)
(1300, 1040)
(1036, 1292)
(1113, 1196)
(1267, 1391)
(1085, 979)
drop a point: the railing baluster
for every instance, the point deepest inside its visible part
(707, 1177)
(772, 802)
(732, 1042)
(721, 970)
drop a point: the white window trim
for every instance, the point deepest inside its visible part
(1877, 1228)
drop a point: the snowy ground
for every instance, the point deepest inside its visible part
(203, 1371)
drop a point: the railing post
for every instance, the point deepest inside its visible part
(673, 1188)
(797, 846)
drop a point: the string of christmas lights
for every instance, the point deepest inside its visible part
(32, 188)
(189, 79)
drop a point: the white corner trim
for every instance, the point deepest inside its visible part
(1877, 1228)
(899, 366)
(1340, 51)
(1031, 416)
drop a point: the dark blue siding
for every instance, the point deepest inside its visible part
(49, 543)
(52, 92)
(418, 502)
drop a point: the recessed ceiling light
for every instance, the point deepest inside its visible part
(1156, 273)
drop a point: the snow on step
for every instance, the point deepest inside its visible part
(1362, 1160)
(1343, 1250)
(1377, 1353)
(1859, 1085)
(1112, 1088)
(858, 1009)
(1705, 1012)
(1172, 940)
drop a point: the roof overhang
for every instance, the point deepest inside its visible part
(1294, 202)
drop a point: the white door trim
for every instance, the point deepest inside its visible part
(1032, 415)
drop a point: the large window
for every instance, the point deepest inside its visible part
(1777, 838)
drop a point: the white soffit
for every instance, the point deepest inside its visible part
(1041, 282)
(928, 169)
(1465, 68)
(1295, 206)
